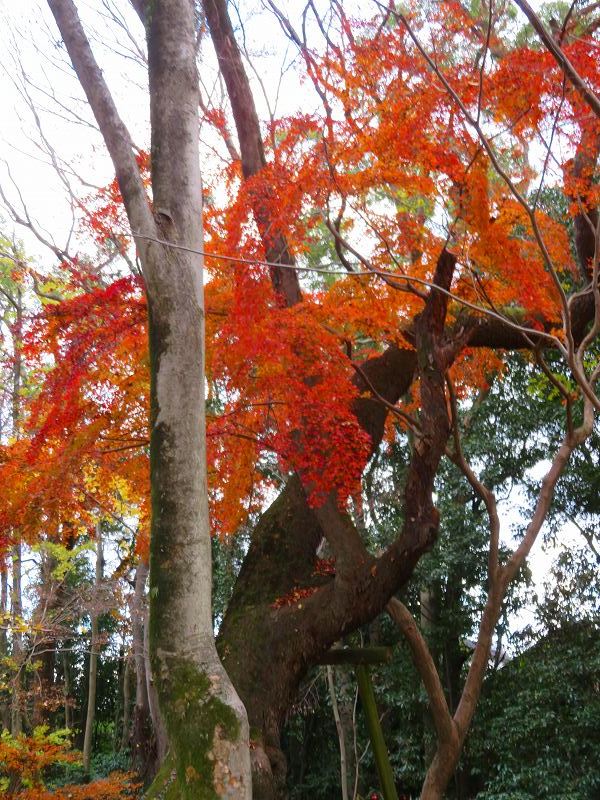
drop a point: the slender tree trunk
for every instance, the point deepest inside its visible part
(340, 732)
(149, 737)
(429, 618)
(161, 738)
(126, 729)
(143, 744)
(16, 720)
(94, 648)
(119, 706)
(347, 697)
(67, 688)
(44, 652)
(16, 725)
(5, 704)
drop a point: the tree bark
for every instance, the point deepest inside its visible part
(126, 729)
(429, 612)
(67, 689)
(16, 724)
(158, 726)
(205, 719)
(285, 281)
(44, 649)
(143, 741)
(340, 732)
(94, 649)
(16, 718)
(5, 703)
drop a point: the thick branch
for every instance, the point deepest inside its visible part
(561, 59)
(584, 167)
(114, 131)
(423, 661)
(252, 152)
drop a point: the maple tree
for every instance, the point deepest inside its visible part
(415, 172)
(24, 762)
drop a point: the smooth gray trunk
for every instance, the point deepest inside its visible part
(206, 722)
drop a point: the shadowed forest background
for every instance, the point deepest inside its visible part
(299, 316)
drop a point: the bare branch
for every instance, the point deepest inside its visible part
(423, 661)
(114, 132)
(561, 59)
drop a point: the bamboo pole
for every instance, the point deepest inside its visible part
(382, 761)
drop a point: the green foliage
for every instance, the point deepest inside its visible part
(102, 766)
(507, 433)
(536, 733)
(66, 560)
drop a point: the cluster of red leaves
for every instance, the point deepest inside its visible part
(104, 213)
(396, 150)
(294, 597)
(324, 567)
(86, 424)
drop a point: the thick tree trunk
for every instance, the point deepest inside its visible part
(205, 719)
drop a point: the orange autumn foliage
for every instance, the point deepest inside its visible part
(392, 160)
(87, 418)
(117, 786)
(26, 760)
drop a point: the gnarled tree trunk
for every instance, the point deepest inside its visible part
(267, 650)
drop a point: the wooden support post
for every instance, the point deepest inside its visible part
(382, 761)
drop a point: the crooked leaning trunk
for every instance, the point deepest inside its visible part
(266, 646)
(263, 653)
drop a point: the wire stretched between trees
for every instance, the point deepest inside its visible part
(372, 272)
(256, 261)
